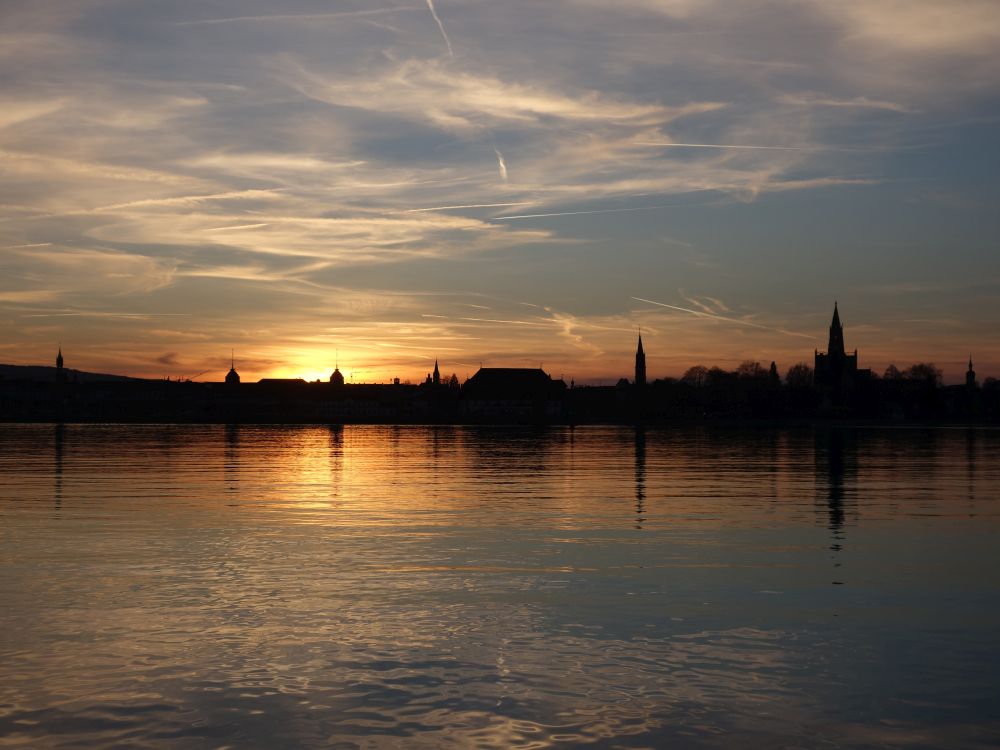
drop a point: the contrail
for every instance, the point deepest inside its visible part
(447, 41)
(289, 17)
(581, 213)
(501, 164)
(469, 205)
(750, 147)
(491, 320)
(737, 321)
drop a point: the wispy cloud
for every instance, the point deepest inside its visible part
(748, 147)
(592, 211)
(468, 205)
(296, 17)
(501, 164)
(324, 171)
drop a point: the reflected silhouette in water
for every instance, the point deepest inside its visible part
(836, 455)
(640, 476)
(57, 457)
(231, 467)
(336, 436)
(970, 463)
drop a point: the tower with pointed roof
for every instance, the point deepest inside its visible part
(835, 347)
(836, 371)
(60, 371)
(232, 377)
(640, 364)
(970, 376)
(436, 378)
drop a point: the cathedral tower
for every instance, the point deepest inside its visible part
(836, 346)
(640, 364)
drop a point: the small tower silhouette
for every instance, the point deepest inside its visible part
(232, 377)
(437, 374)
(337, 378)
(640, 364)
(60, 371)
(970, 376)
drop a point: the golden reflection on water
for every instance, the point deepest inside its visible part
(426, 587)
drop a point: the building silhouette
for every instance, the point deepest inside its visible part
(836, 373)
(232, 377)
(640, 364)
(60, 370)
(836, 389)
(513, 393)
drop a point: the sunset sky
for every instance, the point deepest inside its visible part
(505, 182)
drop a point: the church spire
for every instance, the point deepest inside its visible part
(437, 373)
(640, 363)
(836, 345)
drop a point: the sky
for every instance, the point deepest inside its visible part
(497, 182)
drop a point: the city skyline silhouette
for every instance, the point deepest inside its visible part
(290, 184)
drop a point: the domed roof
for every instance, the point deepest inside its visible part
(337, 378)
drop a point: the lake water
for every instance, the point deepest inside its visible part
(429, 587)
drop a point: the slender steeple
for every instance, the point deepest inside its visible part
(640, 364)
(437, 374)
(60, 372)
(970, 375)
(836, 346)
(232, 377)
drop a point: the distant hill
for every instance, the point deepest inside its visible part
(44, 374)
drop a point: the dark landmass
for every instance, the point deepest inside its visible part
(498, 396)
(43, 374)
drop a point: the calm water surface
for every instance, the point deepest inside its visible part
(379, 587)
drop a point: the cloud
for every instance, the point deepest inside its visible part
(169, 359)
(14, 110)
(303, 171)
(459, 101)
(70, 273)
(296, 18)
(501, 164)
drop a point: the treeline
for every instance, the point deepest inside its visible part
(754, 391)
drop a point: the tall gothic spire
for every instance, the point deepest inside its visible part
(640, 363)
(836, 346)
(437, 373)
